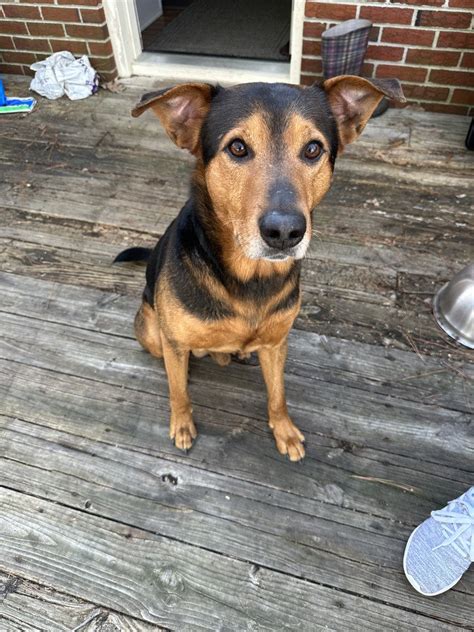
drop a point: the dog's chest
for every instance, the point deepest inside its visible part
(241, 334)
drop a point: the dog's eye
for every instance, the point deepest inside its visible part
(238, 148)
(313, 150)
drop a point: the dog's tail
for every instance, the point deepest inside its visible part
(133, 254)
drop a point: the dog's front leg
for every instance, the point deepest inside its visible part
(289, 439)
(182, 428)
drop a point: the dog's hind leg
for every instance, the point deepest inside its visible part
(147, 330)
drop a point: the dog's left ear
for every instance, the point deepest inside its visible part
(181, 110)
(354, 99)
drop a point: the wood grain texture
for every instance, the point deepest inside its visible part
(26, 606)
(186, 502)
(175, 584)
(103, 523)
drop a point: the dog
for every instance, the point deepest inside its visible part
(224, 277)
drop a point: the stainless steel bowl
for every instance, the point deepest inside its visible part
(453, 307)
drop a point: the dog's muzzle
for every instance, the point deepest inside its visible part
(282, 230)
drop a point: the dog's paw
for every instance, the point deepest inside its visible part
(289, 440)
(242, 355)
(182, 432)
(222, 359)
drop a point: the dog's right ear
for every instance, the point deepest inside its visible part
(353, 100)
(181, 110)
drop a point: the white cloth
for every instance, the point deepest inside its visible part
(62, 73)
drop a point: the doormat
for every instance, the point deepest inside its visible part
(254, 29)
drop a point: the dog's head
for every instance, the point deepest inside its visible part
(267, 151)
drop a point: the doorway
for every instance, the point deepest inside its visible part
(210, 40)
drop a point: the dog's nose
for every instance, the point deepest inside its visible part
(282, 229)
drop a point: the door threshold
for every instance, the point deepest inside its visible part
(225, 70)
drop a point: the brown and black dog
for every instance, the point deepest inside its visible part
(224, 278)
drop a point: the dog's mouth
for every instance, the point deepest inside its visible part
(258, 249)
(295, 252)
(278, 256)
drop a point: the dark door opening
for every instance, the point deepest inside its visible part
(249, 29)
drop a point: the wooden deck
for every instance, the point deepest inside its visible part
(104, 526)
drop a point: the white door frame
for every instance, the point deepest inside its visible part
(125, 35)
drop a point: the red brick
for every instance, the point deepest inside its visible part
(11, 69)
(73, 46)
(387, 15)
(367, 70)
(404, 73)
(311, 47)
(27, 43)
(463, 96)
(461, 4)
(108, 76)
(444, 107)
(27, 71)
(60, 14)
(434, 3)
(468, 61)
(84, 3)
(426, 93)
(96, 16)
(46, 29)
(103, 64)
(313, 29)
(21, 11)
(16, 57)
(432, 57)
(385, 53)
(311, 65)
(6, 42)
(2, 15)
(419, 37)
(446, 19)
(37, 1)
(101, 49)
(328, 11)
(13, 28)
(452, 77)
(451, 39)
(87, 31)
(307, 80)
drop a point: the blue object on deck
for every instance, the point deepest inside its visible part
(12, 105)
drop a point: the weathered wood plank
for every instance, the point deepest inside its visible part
(175, 584)
(29, 607)
(186, 504)
(400, 138)
(389, 431)
(42, 228)
(374, 441)
(60, 254)
(384, 371)
(157, 187)
(366, 301)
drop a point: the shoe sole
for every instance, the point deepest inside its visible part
(413, 582)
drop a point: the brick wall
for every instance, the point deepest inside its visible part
(427, 44)
(31, 30)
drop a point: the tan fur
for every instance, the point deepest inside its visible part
(239, 194)
(353, 101)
